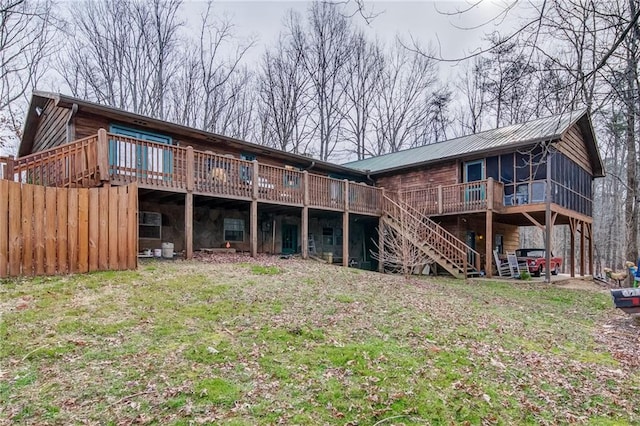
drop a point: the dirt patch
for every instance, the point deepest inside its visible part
(586, 284)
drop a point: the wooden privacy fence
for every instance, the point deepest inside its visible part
(47, 230)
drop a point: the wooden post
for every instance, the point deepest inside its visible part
(488, 269)
(305, 215)
(253, 220)
(582, 256)
(253, 212)
(547, 222)
(572, 258)
(440, 206)
(190, 169)
(345, 226)
(8, 171)
(255, 179)
(381, 244)
(102, 154)
(188, 225)
(590, 231)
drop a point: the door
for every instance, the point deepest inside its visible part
(139, 160)
(289, 239)
(471, 242)
(473, 172)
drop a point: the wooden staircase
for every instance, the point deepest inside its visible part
(435, 242)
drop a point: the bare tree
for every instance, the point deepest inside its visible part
(401, 108)
(362, 80)
(325, 48)
(283, 89)
(127, 65)
(26, 40)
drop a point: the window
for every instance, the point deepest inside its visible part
(246, 171)
(149, 225)
(134, 158)
(233, 229)
(327, 236)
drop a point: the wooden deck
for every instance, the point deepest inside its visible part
(120, 160)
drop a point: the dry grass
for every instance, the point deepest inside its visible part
(292, 342)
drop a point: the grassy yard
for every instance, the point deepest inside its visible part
(294, 342)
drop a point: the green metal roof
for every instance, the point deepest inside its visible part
(542, 129)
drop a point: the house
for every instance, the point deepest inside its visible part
(202, 190)
(482, 187)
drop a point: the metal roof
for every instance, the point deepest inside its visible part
(542, 129)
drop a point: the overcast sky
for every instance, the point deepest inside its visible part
(426, 21)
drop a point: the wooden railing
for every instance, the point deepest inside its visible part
(71, 165)
(108, 157)
(457, 198)
(222, 175)
(425, 231)
(326, 192)
(147, 163)
(445, 240)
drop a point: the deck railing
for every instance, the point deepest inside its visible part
(457, 198)
(107, 157)
(70, 165)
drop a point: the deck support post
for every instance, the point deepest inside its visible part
(253, 230)
(188, 225)
(590, 232)
(440, 206)
(582, 256)
(253, 212)
(488, 240)
(547, 222)
(572, 247)
(345, 226)
(304, 232)
(381, 244)
(102, 155)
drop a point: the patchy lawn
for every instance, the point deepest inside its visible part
(295, 342)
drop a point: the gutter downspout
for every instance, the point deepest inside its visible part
(311, 166)
(71, 128)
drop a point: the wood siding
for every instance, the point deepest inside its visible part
(52, 127)
(573, 146)
(427, 176)
(47, 230)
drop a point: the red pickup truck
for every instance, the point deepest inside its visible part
(535, 260)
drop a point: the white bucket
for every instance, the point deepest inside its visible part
(157, 253)
(167, 250)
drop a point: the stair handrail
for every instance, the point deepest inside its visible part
(448, 242)
(464, 246)
(441, 230)
(430, 236)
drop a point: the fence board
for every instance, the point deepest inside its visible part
(72, 229)
(51, 227)
(122, 227)
(103, 231)
(38, 229)
(4, 227)
(61, 237)
(15, 245)
(113, 227)
(94, 228)
(26, 217)
(132, 231)
(47, 230)
(83, 230)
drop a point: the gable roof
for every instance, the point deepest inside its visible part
(39, 100)
(539, 130)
